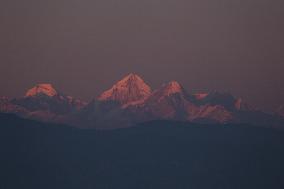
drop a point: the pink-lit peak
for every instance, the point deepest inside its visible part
(172, 88)
(45, 88)
(130, 89)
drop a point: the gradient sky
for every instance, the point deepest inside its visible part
(84, 46)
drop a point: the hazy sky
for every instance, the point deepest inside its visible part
(84, 46)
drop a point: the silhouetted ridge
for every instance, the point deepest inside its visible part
(157, 154)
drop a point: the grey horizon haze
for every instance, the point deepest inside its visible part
(83, 47)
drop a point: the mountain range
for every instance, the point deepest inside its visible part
(131, 101)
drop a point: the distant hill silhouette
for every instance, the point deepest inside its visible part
(153, 155)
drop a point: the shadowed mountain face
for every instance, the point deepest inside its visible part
(153, 155)
(131, 101)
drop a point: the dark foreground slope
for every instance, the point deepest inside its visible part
(154, 155)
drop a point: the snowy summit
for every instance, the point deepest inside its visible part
(46, 89)
(130, 89)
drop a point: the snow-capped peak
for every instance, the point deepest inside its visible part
(130, 78)
(172, 88)
(46, 89)
(167, 90)
(130, 89)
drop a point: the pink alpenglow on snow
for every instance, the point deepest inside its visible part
(168, 89)
(172, 88)
(130, 89)
(46, 89)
